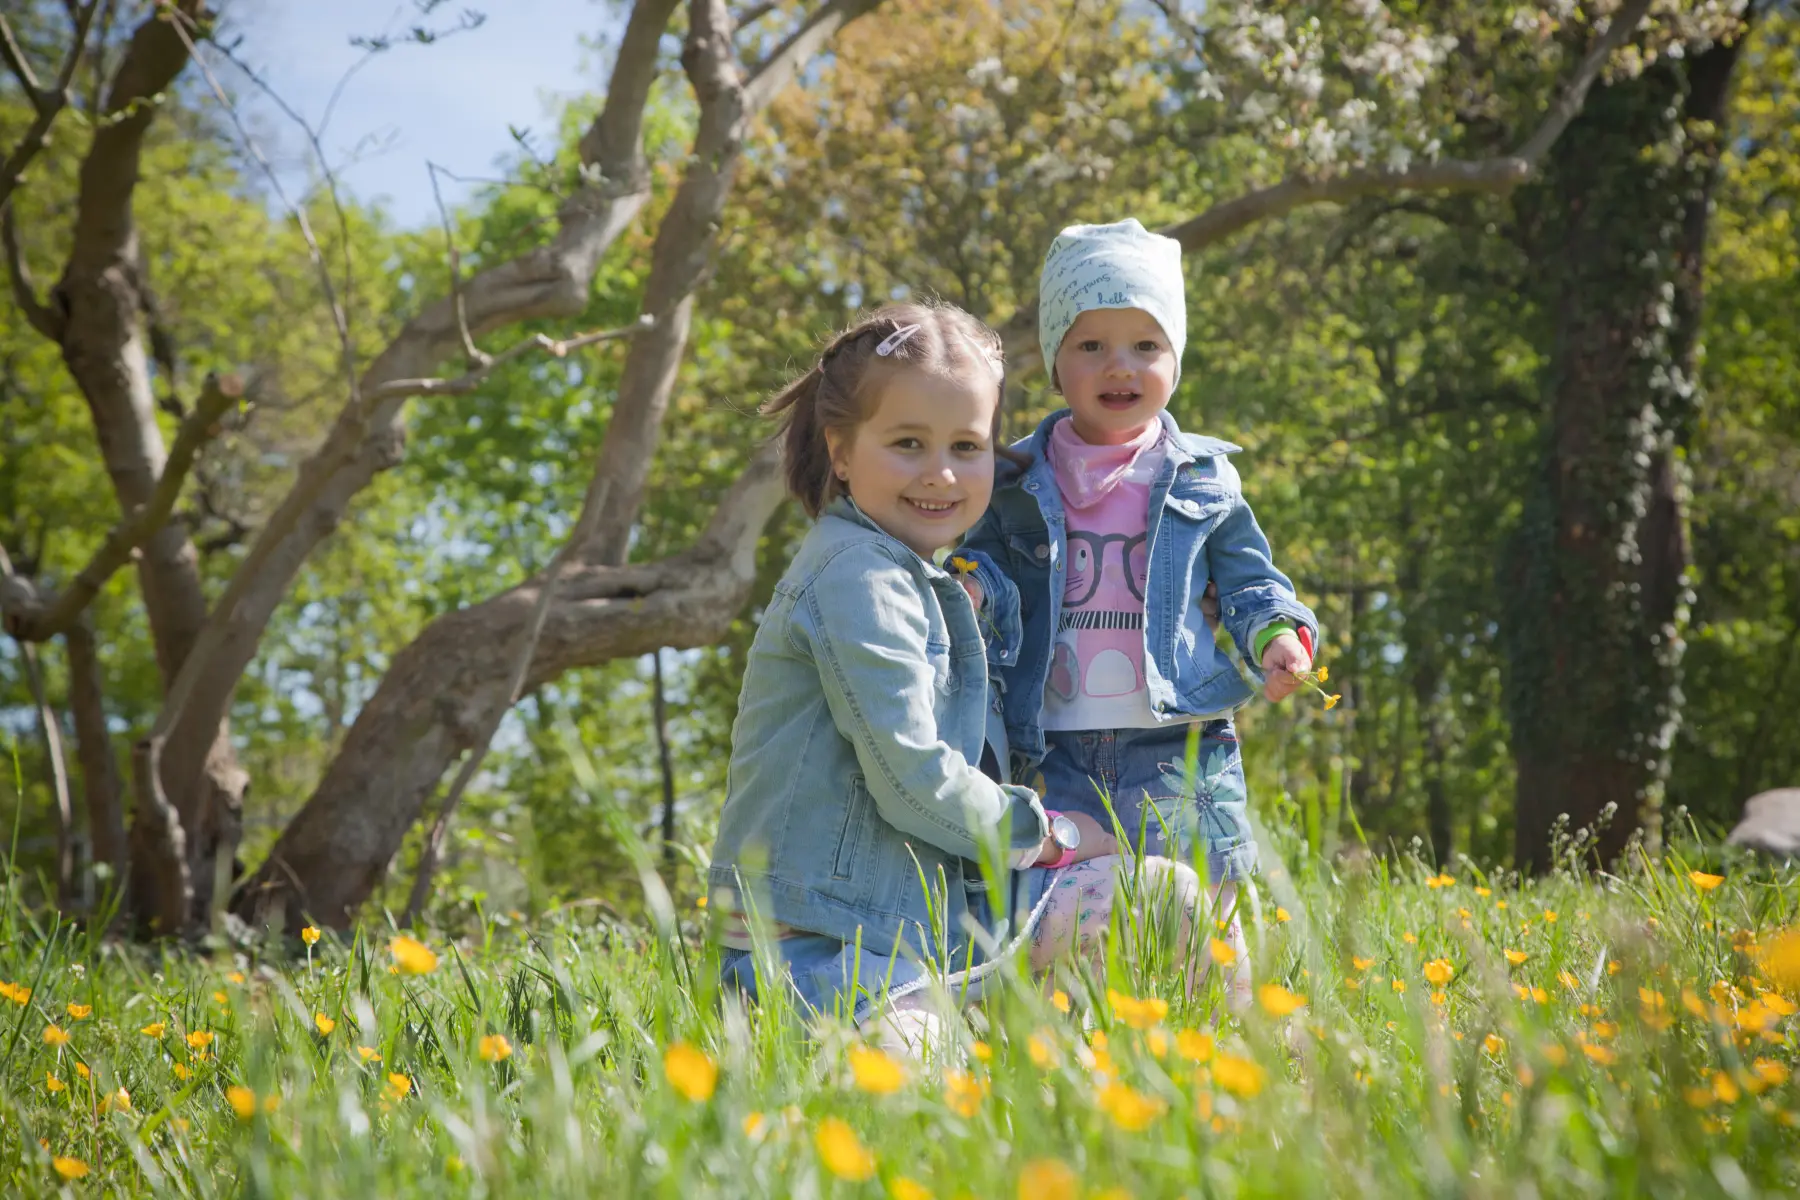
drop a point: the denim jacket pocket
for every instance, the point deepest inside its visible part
(853, 837)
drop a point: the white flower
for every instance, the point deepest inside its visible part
(985, 70)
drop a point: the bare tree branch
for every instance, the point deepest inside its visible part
(528, 643)
(57, 616)
(340, 318)
(1499, 174)
(779, 69)
(551, 280)
(42, 319)
(442, 690)
(489, 363)
(47, 102)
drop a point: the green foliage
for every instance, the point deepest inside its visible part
(1565, 1038)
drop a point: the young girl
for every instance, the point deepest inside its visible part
(1117, 531)
(866, 711)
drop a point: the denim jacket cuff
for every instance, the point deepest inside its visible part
(1281, 612)
(1001, 626)
(1030, 824)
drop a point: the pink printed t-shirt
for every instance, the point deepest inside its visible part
(1097, 664)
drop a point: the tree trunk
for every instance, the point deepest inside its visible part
(100, 332)
(1595, 577)
(94, 748)
(659, 713)
(436, 698)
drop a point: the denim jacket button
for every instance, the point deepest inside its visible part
(1042, 551)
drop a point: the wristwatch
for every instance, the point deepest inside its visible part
(1066, 834)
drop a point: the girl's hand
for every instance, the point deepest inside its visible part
(1209, 605)
(1095, 842)
(1284, 660)
(970, 586)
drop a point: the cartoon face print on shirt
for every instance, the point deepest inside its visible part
(1100, 643)
(1093, 555)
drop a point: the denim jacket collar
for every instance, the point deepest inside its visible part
(1179, 448)
(846, 509)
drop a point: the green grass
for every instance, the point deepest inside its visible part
(1366, 1091)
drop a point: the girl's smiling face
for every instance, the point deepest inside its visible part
(1116, 370)
(921, 465)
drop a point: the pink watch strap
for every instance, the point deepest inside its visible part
(1068, 853)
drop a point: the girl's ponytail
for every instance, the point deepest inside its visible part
(805, 455)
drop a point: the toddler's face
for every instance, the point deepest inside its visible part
(922, 465)
(1116, 370)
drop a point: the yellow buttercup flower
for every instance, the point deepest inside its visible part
(399, 1087)
(368, 1053)
(1703, 881)
(876, 1071)
(120, 1100)
(1047, 1179)
(52, 1084)
(1278, 1001)
(55, 1035)
(80, 1012)
(200, 1039)
(1439, 880)
(1139, 1014)
(1780, 959)
(1222, 952)
(1282, 916)
(412, 957)
(1599, 1053)
(691, 1072)
(324, 1024)
(752, 1124)
(180, 1071)
(842, 1151)
(963, 1093)
(1493, 1043)
(1516, 957)
(82, 1070)
(1130, 1110)
(1038, 1046)
(903, 1188)
(310, 935)
(69, 1168)
(1059, 1000)
(982, 1051)
(1239, 1076)
(18, 993)
(1398, 984)
(494, 1048)
(242, 1101)
(154, 1029)
(235, 977)
(1361, 964)
(1439, 972)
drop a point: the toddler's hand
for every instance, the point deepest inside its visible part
(1283, 659)
(1209, 605)
(973, 588)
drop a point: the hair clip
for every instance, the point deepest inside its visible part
(895, 340)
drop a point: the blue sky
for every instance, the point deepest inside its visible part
(448, 103)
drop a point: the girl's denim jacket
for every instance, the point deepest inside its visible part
(854, 759)
(1200, 528)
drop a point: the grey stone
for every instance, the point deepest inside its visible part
(1771, 823)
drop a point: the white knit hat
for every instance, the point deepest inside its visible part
(1122, 265)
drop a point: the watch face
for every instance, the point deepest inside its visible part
(1065, 832)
